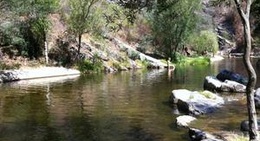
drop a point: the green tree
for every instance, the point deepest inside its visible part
(252, 116)
(172, 23)
(34, 21)
(81, 18)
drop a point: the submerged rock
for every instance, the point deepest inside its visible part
(198, 135)
(194, 102)
(244, 125)
(211, 83)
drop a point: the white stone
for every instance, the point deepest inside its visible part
(184, 120)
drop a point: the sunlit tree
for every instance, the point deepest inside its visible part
(172, 23)
(33, 16)
(252, 116)
(81, 18)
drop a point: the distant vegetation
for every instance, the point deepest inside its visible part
(166, 29)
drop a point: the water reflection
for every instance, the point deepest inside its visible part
(126, 106)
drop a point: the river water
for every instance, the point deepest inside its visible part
(126, 106)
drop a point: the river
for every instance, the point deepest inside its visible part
(125, 106)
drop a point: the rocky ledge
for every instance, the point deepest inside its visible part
(35, 73)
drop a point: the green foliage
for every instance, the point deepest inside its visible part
(172, 23)
(4, 66)
(183, 60)
(34, 25)
(82, 18)
(133, 54)
(206, 41)
(94, 65)
(114, 17)
(33, 8)
(10, 35)
(178, 57)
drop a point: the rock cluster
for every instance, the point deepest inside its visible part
(196, 103)
(226, 81)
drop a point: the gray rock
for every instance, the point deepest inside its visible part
(244, 125)
(8, 77)
(213, 84)
(196, 103)
(198, 135)
(229, 75)
(233, 86)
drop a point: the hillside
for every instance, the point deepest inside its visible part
(117, 37)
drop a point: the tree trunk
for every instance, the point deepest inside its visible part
(252, 116)
(46, 52)
(79, 46)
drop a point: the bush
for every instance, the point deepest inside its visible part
(178, 58)
(4, 66)
(206, 41)
(133, 54)
(195, 61)
(94, 65)
(10, 35)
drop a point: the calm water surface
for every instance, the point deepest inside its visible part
(126, 106)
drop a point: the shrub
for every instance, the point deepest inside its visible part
(4, 66)
(133, 54)
(94, 65)
(178, 58)
(10, 35)
(206, 41)
(195, 61)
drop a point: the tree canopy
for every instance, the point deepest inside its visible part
(172, 23)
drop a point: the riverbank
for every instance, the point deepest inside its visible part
(26, 73)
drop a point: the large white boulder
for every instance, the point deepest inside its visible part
(195, 102)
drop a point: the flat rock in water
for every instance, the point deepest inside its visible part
(195, 102)
(211, 83)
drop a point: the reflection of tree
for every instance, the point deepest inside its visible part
(27, 115)
(48, 101)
